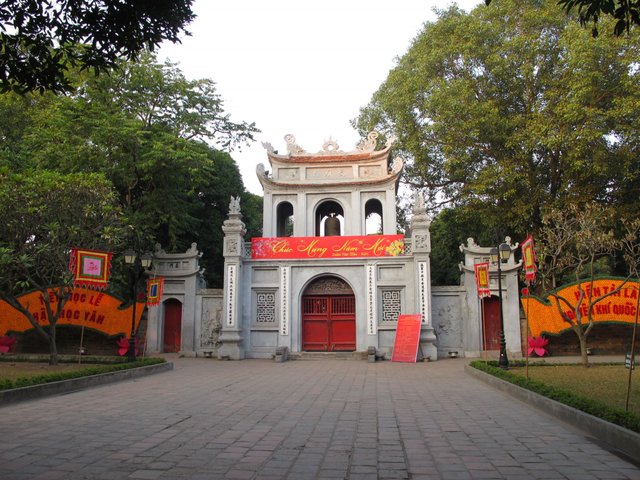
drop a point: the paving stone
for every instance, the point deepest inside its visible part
(240, 474)
(326, 419)
(146, 474)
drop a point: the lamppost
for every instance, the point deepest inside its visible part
(499, 256)
(138, 265)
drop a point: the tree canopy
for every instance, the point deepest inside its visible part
(511, 108)
(626, 13)
(40, 39)
(43, 215)
(152, 134)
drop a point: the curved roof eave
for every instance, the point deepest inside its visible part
(338, 157)
(391, 178)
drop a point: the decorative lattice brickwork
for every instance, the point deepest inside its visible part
(391, 305)
(266, 307)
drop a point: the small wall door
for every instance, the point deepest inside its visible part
(329, 323)
(491, 323)
(172, 326)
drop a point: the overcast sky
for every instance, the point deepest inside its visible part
(291, 66)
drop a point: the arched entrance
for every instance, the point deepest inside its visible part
(491, 323)
(328, 316)
(172, 326)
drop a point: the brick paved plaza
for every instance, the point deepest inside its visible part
(333, 419)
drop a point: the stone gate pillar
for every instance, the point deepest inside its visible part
(183, 278)
(421, 250)
(231, 335)
(473, 338)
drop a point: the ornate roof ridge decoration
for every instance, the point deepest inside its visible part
(420, 218)
(493, 270)
(365, 149)
(392, 175)
(191, 252)
(473, 247)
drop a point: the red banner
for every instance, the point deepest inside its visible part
(482, 279)
(529, 258)
(405, 348)
(90, 268)
(154, 291)
(327, 247)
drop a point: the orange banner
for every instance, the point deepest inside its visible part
(327, 247)
(544, 316)
(90, 308)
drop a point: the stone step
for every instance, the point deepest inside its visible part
(328, 355)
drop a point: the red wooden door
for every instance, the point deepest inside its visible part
(491, 324)
(172, 326)
(329, 323)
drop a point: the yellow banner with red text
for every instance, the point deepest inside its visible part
(545, 316)
(89, 308)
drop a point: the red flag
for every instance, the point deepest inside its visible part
(90, 268)
(482, 279)
(154, 290)
(529, 258)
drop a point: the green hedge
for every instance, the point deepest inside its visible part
(597, 409)
(7, 384)
(44, 358)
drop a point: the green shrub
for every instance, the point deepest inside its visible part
(62, 358)
(597, 409)
(7, 384)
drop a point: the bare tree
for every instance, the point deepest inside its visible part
(571, 243)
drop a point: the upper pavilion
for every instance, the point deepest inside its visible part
(303, 189)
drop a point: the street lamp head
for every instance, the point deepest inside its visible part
(129, 257)
(146, 260)
(493, 253)
(505, 252)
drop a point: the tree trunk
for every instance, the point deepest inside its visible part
(583, 349)
(53, 349)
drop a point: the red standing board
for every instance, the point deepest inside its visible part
(405, 348)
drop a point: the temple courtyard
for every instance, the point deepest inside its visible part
(303, 419)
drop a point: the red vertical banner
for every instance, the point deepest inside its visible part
(482, 279)
(405, 348)
(155, 286)
(90, 268)
(529, 259)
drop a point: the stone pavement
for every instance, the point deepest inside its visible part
(331, 419)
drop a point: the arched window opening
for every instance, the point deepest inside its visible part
(329, 219)
(284, 219)
(373, 217)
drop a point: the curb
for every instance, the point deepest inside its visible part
(614, 436)
(74, 384)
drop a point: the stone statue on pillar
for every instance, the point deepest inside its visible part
(232, 347)
(421, 249)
